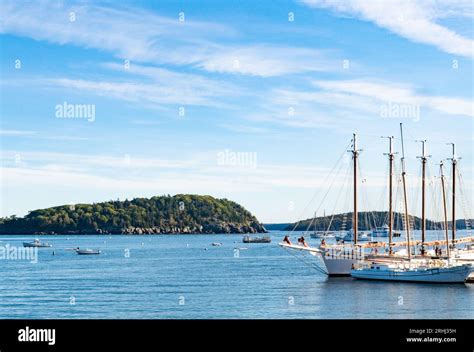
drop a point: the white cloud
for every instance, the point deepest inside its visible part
(267, 61)
(17, 133)
(141, 173)
(346, 104)
(39, 135)
(177, 93)
(241, 128)
(131, 33)
(414, 20)
(385, 92)
(142, 36)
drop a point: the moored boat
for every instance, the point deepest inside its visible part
(382, 231)
(249, 239)
(363, 236)
(322, 234)
(440, 272)
(87, 251)
(37, 244)
(340, 258)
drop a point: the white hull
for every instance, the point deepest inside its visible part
(87, 251)
(338, 267)
(464, 256)
(456, 274)
(380, 234)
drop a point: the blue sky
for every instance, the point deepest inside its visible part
(175, 84)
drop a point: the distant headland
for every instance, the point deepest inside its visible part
(179, 214)
(366, 221)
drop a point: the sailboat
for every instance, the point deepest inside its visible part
(422, 269)
(339, 259)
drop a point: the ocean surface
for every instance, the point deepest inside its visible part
(184, 276)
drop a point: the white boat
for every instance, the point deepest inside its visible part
(381, 231)
(362, 236)
(322, 234)
(87, 251)
(435, 273)
(339, 259)
(249, 239)
(339, 262)
(37, 244)
(465, 255)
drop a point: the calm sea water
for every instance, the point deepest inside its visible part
(176, 277)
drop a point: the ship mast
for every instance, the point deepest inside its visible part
(391, 155)
(315, 222)
(355, 154)
(423, 158)
(445, 209)
(454, 161)
(407, 222)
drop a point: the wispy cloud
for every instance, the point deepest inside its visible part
(17, 133)
(242, 128)
(130, 33)
(386, 92)
(414, 20)
(268, 61)
(178, 93)
(45, 167)
(336, 103)
(39, 135)
(145, 37)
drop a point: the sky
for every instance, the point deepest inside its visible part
(251, 101)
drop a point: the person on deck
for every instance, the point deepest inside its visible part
(302, 241)
(287, 240)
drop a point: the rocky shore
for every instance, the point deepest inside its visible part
(220, 228)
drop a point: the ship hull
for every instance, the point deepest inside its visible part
(431, 275)
(339, 266)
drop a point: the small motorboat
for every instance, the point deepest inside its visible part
(248, 239)
(87, 251)
(322, 234)
(216, 244)
(37, 244)
(363, 236)
(382, 231)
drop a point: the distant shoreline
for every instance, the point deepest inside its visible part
(179, 214)
(131, 234)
